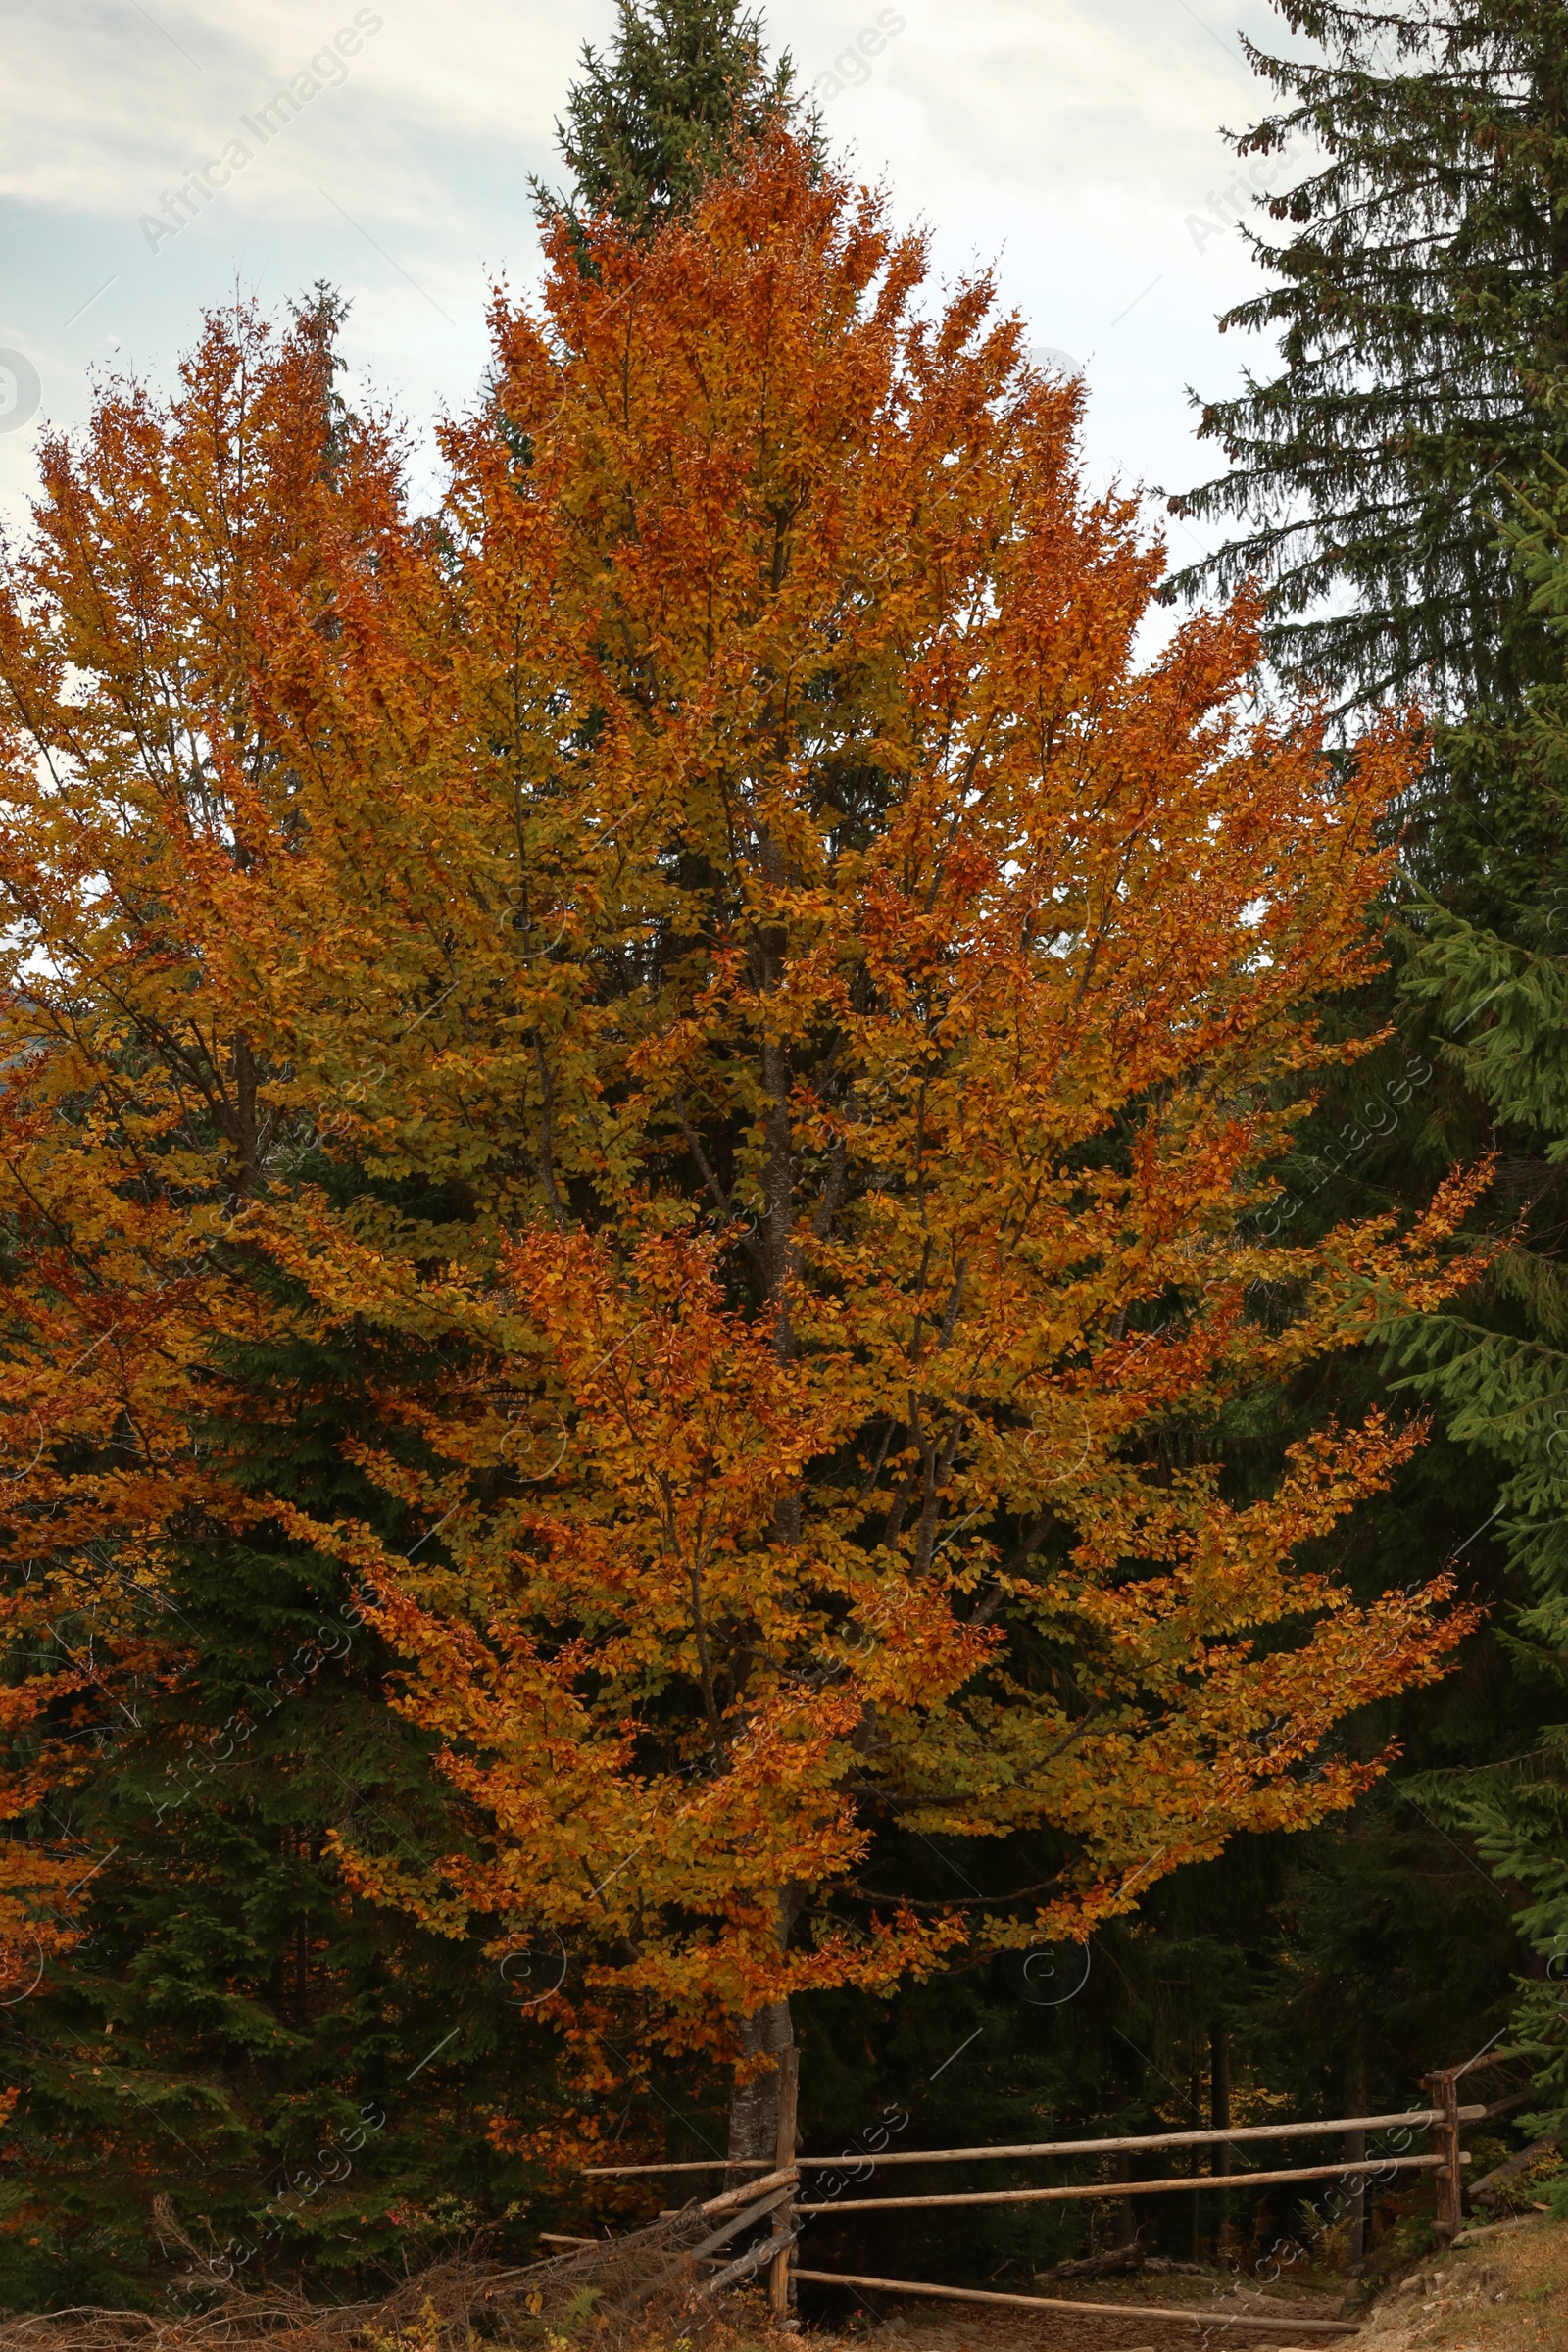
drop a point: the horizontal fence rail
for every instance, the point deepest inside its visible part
(1415, 2120)
(1204, 2315)
(691, 2163)
(777, 2194)
(1138, 2188)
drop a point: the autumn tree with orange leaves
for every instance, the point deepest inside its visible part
(718, 976)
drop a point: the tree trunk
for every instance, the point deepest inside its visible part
(1126, 2223)
(1219, 2110)
(754, 2105)
(1355, 2153)
(1195, 2162)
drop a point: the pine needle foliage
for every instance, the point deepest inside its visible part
(1420, 302)
(1496, 1361)
(685, 83)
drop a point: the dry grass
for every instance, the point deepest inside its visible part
(452, 2308)
(635, 2293)
(1507, 2293)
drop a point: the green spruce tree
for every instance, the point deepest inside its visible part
(1420, 296)
(1417, 253)
(686, 81)
(1496, 1362)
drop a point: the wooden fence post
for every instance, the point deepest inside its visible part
(1446, 2143)
(789, 2091)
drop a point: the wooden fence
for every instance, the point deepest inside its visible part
(775, 2197)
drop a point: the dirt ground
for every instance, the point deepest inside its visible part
(1505, 2291)
(960, 2327)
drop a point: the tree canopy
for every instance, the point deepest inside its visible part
(709, 1031)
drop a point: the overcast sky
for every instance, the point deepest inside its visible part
(1073, 143)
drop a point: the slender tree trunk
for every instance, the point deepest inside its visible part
(1219, 2112)
(1126, 2219)
(1195, 2122)
(755, 2104)
(245, 1114)
(1355, 2153)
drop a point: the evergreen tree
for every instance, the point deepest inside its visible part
(1498, 1363)
(1420, 297)
(686, 81)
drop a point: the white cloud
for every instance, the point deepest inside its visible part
(1070, 140)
